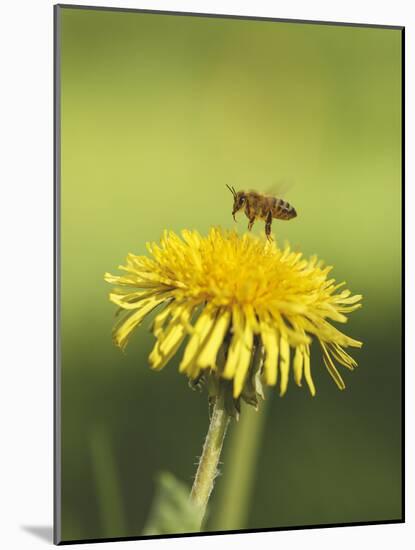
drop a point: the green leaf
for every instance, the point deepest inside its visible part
(171, 510)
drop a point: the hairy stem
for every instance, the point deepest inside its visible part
(234, 500)
(208, 465)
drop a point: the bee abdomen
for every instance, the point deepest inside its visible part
(283, 210)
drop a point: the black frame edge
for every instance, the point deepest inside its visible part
(239, 531)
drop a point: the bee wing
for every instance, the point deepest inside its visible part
(280, 188)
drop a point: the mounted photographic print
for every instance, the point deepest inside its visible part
(228, 347)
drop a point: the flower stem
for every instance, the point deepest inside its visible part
(207, 468)
(234, 501)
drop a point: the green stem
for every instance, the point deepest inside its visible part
(234, 500)
(207, 468)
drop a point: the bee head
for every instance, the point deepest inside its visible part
(239, 199)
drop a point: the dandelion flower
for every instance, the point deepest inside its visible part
(244, 309)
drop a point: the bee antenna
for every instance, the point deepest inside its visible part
(231, 189)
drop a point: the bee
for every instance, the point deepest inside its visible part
(262, 206)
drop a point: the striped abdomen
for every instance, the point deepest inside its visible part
(282, 210)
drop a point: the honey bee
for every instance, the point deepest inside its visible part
(262, 206)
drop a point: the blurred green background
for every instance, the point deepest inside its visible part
(159, 112)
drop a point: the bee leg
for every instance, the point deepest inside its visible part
(251, 223)
(268, 223)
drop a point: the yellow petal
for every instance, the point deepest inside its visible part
(298, 365)
(251, 318)
(158, 358)
(294, 335)
(134, 300)
(342, 357)
(236, 344)
(352, 299)
(284, 364)
(167, 346)
(307, 372)
(176, 310)
(201, 331)
(270, 343)
(160, 320)
(331, 368)
(232, 360)
(123, 328)
(207, 357)
(244, 361)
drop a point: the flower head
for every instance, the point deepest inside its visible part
(246, 309)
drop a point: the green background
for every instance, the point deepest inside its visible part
(158, 113)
